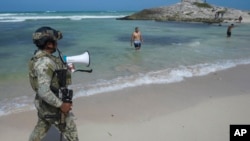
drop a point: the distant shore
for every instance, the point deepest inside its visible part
(190, 11)
(199, 108)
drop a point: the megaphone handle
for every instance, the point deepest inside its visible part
(89, 71)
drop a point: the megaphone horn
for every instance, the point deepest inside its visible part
(83, 58)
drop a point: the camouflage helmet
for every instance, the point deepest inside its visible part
(44, 34)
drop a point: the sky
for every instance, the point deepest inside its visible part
(104, 5)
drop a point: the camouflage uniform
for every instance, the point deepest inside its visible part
(41, 69)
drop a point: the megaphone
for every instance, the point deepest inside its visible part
(83, 58)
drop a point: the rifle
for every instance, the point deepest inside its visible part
(65, 94)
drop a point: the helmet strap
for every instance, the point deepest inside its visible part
(60, 56)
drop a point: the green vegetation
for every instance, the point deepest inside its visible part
(202, 5)
(190, 13)
(222, 11)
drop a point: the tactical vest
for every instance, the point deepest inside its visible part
(54, 85)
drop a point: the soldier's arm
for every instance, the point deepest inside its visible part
(44, 76)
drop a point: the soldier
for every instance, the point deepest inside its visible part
(42, 67)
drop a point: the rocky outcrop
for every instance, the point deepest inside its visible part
(189, 11)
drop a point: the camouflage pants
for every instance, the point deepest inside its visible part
(43, 125)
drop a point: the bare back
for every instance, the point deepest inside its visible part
(136, 36)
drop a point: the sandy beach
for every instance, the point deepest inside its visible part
(196, 109)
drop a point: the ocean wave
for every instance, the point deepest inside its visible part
(22, 18)
(16, 105)
(165, 76)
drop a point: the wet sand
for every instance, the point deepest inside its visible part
(198, 108)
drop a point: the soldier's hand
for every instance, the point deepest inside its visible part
(66, 107)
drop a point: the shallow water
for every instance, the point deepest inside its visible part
(171, 51)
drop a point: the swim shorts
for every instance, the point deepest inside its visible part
(137, 43)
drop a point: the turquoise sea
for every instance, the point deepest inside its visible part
(171, 52)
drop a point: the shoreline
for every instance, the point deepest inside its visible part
(198, 108)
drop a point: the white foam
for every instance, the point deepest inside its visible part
(194, 44)
(166, 76)
(16, 105)
(25, 17)
(170, 75)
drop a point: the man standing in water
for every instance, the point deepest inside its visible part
(136, 38)
(229, 30)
